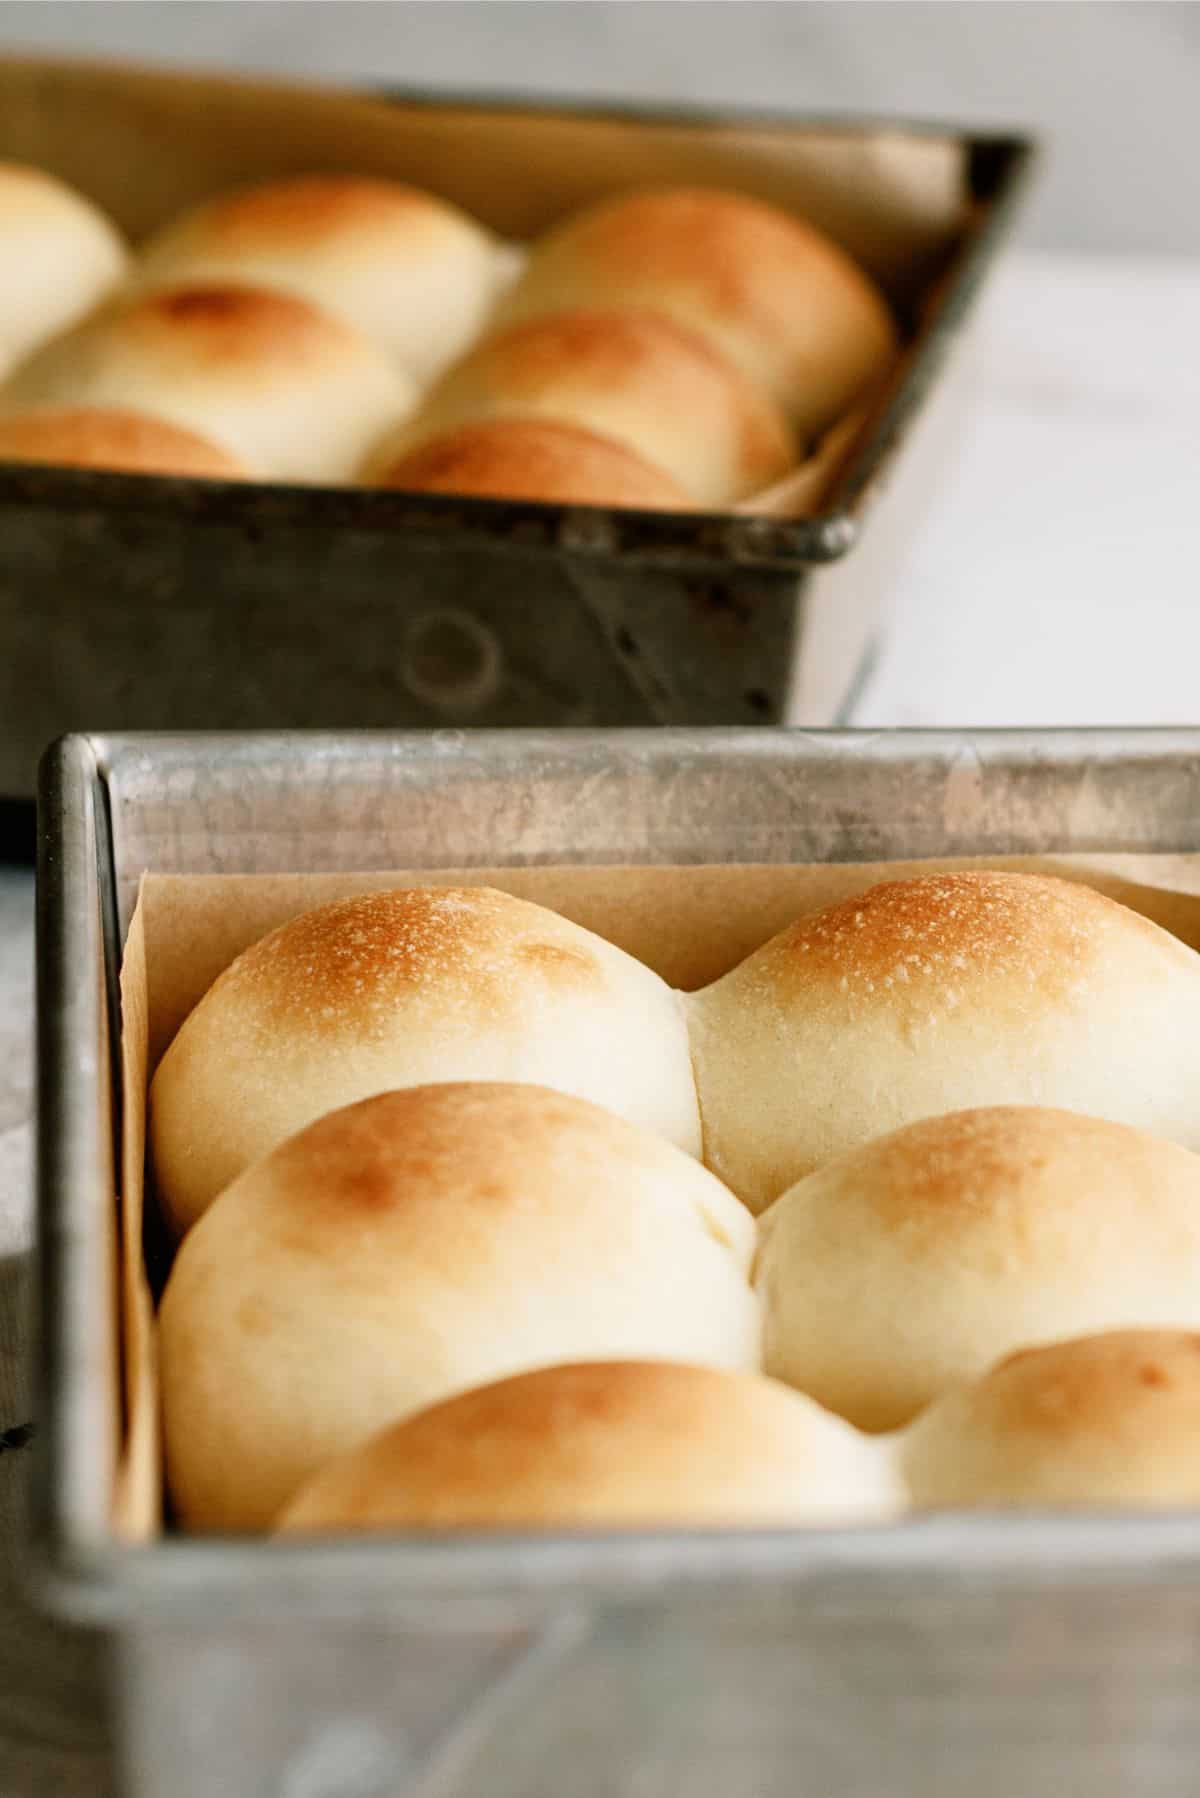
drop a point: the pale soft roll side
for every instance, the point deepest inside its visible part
(935, 994)
(776, 296)
(408, 270)
(292, 392)
(630, 375)
(60, 254)
(533, 459)
(419, 1243)
(903, 1267)
(608, 1445)
(129, 442)
(397, 989)
(1108, 1421)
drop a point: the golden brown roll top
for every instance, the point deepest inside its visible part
(933, 995)
(410, 271)
(397, 989)
(1107, 1421)
(419, 1243)
(533, 459)
(95, 437)
(293, 323)
(60, 257)
(773, 294)
(903, 1267)
(292, 392)
(634, 376)
(619, 1444)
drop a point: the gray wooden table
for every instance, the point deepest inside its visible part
(53, 1729)
(54, 1739)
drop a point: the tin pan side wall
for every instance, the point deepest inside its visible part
(78, 947)
(278, 802)
(271, 622)
(1037, 1692)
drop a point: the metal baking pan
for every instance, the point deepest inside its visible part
(137, 602)
(1021, 1655)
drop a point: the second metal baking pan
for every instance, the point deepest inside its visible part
(1007, 1657)
(134, 602)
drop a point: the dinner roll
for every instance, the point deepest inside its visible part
(407, 270)
(294, 393)
(641, 379)
(398, 988)
(649, 1444)
(919, 1260)
(419, 1243)
(92, 437)
(533, 458)
(776, 296)
(929, 995)
(1107, 1420)
(60, 255)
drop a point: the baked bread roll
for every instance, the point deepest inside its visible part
(397, 989)
(533, 458)
(419, 1243)
(409, 271)
(60, 255)
(641, 379)
(293, 393)
(935, 994)
(903, 1267)
(1108, 1420)
(603, 1445)
(774, 295)
(92, 437)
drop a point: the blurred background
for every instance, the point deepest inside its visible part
(1116, 87)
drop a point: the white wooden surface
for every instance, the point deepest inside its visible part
(1058, 579)
(1057, 582)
